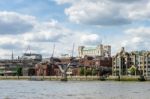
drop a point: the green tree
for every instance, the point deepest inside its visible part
(94, 71)
(82, 71)
(19, 71)
(132, 70)
(88, 72)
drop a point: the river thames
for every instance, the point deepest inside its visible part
(13, 89)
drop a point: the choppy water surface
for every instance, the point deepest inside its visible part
(11, 89)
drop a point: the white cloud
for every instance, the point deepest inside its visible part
(64, 1)
(139, 11)
(42, 37)
(126, 1)
(96, 13)
(110, 13)
(139, 32)
(137, 38)
(90, 39)
(50, 31)
(107, 12)
(16, 35)
(44, 34)
(15, 23)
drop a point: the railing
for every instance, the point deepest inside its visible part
(78, 78)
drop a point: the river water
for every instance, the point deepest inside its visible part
(11, 89)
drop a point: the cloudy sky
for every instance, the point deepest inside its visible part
(42, 23)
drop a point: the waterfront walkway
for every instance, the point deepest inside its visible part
(53, 78)
(71, 78)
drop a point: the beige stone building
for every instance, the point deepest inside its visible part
(100, 50)
(122, 61)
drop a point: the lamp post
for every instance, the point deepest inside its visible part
(43, 73)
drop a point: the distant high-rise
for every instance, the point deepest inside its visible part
(12, 56)
(100, 50)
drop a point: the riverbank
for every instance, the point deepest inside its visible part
(123, 78)
(73, 78)
(51, 78)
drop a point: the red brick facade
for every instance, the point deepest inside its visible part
(88, 62)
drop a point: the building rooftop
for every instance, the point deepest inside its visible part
(89, 48)
(139, 52)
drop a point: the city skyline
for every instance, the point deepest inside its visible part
(42, 23)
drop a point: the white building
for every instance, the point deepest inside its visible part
(100, 50)
(28, 56)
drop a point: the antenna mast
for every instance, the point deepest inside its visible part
(28, 48)
(51, 58)
(12, 56)
(73, 50)
(53, 50)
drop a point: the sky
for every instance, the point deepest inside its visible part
(39, 24)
